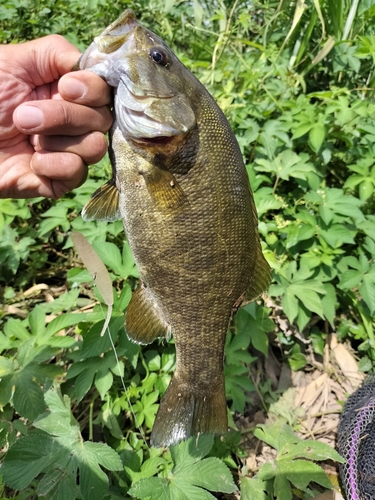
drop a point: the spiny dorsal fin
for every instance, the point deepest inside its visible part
(103, 204)
(143, 323)
(164, 189)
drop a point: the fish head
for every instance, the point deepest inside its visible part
(153, 88)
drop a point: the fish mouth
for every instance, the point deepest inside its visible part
(157, 141)
(146, 118)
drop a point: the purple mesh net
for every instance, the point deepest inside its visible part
(356, 443)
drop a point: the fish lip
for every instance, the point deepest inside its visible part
(124, 24)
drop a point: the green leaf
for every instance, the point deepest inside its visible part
(289, 304)
(6, 366)
(14, 328)
(312, 450)
(254, 489)
(59, 484)
(302, 472)
(367, 290)
(350, 279)
(26, 459)
(282, 489)
(309, 299)
(28, 396)
(190, 451)
(183, 490)
(316, 136)
(190, 474)
(154, 488)
(60, 453)
(57, 421)
(37, 319)
(210, 473)
(103, 382)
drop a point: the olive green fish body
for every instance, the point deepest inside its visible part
(181, 188)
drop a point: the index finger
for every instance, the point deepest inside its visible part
(85, 87)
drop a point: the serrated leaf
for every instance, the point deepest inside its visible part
(268, 433)
(14, 328)
(154, 488)
(58, 421)
(317, 136)
(210, 473)
(290, 305)
(69, 319)
(310, 300)
(350, 279)
(184, 490)
(190, 451)
(329, 303)
(6, 389)
(367, 291)
(85, 380)
(104, 455)
(302, 472)
(27, 458)
(281, 487)
(37, 320)
(313, 450)
(59, 484)
(28, 396)
(93, 481)
(6, 366)
(254, 489)
(103, 382)
(63, 457)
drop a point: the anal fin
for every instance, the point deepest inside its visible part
(143, 323)
(103, 204)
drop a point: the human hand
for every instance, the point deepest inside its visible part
(51, 126)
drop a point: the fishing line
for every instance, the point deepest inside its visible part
(123, 381)
(102, 281)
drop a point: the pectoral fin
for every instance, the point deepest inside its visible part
(164, 189)
(143, 323)
(103, 204)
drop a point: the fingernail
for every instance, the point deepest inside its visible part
(29, 116)
(74, 88)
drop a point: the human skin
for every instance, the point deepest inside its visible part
(52, 121)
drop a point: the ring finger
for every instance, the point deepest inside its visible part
(90, 147)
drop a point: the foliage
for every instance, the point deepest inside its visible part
(293, 466)
(296, 87)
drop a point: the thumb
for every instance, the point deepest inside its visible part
(47, 59)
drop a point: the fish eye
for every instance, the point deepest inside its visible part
(159, 56)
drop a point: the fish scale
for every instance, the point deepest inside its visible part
(180, 186)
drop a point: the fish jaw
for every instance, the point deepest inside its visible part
(149, 101)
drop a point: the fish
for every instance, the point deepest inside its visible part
(180, 186)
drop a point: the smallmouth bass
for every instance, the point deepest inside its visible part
(180, 186)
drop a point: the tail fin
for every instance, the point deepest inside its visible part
(185, 412)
